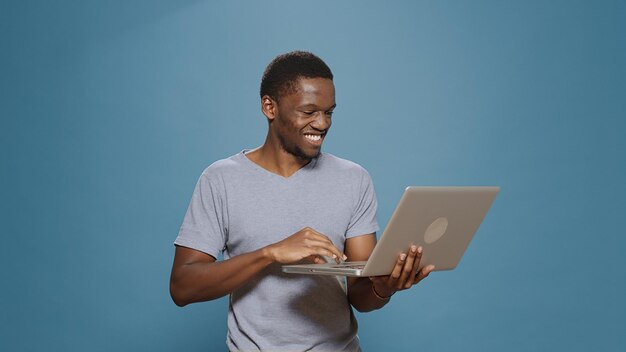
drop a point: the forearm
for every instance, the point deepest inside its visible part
(197, 277)
(362, 296)
(205, 281)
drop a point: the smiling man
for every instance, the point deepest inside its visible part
(282, 203)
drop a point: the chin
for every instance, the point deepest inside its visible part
(300, 153)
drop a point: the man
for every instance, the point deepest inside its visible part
(283, 203)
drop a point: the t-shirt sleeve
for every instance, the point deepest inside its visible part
(363, 219)
(204, 227)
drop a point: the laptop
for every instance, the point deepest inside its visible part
(443, 220)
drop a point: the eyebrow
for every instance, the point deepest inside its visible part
(306, 106)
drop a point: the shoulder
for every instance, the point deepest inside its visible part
(221, 171)
(224, 167)
(341, 165)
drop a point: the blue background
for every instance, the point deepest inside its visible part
(111, 109)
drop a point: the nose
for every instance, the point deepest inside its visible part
(322, 121)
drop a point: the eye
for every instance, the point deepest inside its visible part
(309, 113)
(329, 113)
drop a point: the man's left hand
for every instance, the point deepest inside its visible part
(404, 275)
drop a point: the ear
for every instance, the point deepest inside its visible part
(268, 107)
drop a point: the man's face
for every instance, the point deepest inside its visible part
(303, 118)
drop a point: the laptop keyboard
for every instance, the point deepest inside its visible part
(349, 266)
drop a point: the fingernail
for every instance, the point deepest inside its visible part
(419, 250)
(334, 256)
(431, 268)
(345, 257)
(413, 248)
(402, 256)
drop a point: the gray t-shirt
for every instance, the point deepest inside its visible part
(238, 207)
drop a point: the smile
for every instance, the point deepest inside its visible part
(313, 137)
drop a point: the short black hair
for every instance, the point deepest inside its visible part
(284, 71)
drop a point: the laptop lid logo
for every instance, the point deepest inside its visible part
(436, 230)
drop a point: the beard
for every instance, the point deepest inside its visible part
(295, 150)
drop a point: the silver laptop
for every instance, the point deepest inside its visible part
(442, 220)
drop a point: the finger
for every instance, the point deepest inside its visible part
(332, 251)
(315, 259)
(407, 269)
(328, 245)
(318, 235)
(378, 279)
(416, 264)
(422, 274)
(324, 255)
(322, 248)
(397, 269)
(312, 259)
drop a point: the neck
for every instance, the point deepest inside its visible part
(275, 159)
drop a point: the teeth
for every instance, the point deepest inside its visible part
(313, 137)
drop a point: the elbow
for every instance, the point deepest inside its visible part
(179, 301)
(363, 309)
(178, 295)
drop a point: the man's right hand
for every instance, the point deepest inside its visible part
(306, 243)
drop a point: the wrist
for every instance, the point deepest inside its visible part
(268, 253)
(382, 294)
